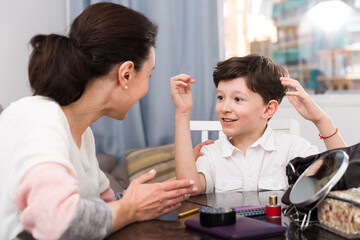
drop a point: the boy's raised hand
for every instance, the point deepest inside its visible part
(302, 102)
(181, 93)
(308, 109)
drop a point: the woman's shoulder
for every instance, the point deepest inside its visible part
(33, 103)
(35, 109)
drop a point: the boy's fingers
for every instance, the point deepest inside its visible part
(288, 79)
(187, 89)
(178, 84)
(292, 93)
(183, 77)
(181, 84)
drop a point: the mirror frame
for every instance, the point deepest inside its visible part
(328, 186)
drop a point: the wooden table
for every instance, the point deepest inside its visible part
(157, 229)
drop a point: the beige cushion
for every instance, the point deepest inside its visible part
(160, 158)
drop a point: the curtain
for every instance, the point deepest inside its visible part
(188, 42)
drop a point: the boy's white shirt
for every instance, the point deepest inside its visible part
(263, 168)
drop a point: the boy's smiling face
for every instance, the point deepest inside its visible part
(240, 110)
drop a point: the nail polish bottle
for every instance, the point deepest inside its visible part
(273, 209)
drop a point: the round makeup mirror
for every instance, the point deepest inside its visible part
(318, 179)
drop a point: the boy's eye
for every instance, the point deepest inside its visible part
(220, 97)
(238, 99)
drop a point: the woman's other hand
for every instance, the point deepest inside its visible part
(144, 201)
(197, 148)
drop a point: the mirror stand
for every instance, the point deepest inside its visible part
(305, 223)
(299, 217)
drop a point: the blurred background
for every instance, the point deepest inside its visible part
(318, 41)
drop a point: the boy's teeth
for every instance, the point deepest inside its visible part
(228, 120)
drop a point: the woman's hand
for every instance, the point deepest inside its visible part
(181, 93)
(197, 148)
(145, 201)
(302, 102)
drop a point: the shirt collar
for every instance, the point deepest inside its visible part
(226, 147)
(266, 141)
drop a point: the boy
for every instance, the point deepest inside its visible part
(252, 157)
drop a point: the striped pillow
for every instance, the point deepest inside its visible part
(160, 158)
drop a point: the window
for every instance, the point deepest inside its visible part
(318, 41)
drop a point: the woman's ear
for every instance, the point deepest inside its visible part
(125, 73)
(270, 109)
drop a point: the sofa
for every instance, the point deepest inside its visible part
(137, 162)
(115, 171)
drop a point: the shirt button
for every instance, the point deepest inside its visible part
(223, 184)
(275, 184)
(250, 175)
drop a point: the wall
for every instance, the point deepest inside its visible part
(19, 21)
(344, 109)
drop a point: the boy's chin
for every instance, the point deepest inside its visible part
(228, 133)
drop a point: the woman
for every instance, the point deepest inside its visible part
(51, 185)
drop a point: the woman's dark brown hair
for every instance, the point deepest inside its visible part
(261, 75)
(103, 35)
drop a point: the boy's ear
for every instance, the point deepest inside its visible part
(270, 109)
(125, 73)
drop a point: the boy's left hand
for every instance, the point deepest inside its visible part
(308, 109)
(302, 102)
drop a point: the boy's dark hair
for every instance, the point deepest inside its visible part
(261, 75)
(103, 35)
